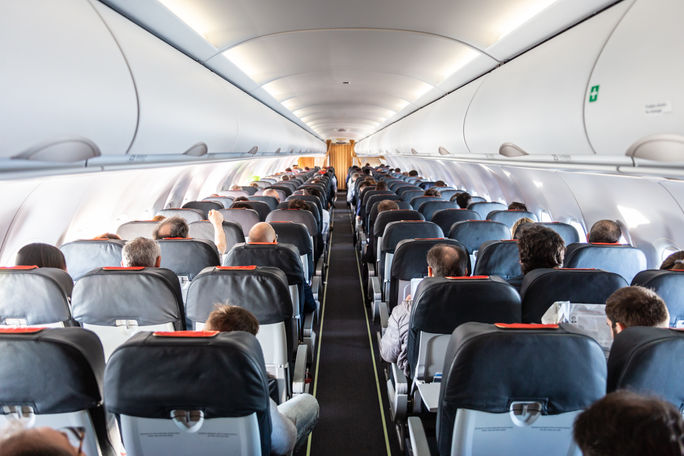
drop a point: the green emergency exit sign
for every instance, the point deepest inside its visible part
(593, 93)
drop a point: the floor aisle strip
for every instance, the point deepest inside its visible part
(320, 328)
(370, 341)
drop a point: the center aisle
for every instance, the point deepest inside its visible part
(347, 388)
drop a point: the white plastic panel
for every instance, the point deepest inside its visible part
(536, 100)
(60, 209)
(639, 74)
(182, 103)
(62, 76)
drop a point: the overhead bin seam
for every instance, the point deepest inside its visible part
(130, 71)
(591, 72)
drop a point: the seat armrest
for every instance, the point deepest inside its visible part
(401, 384)
(299, 375)
(384, 316)
(315, 286)
(319, 266)
(419, 443)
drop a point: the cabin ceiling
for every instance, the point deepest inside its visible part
(345, 69)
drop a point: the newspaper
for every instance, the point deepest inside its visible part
(588, 318)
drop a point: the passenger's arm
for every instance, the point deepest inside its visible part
(390, 344)
(216, 220)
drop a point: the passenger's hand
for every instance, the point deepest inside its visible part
(215, 217)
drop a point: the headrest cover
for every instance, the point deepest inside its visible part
(55, 370)
(648, 361)
(224, 376)
(487, 368)
(37, 295)
(187, 257)
(283, 256)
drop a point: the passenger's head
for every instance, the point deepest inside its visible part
(413, 173)
(540, 247)
(635, 306)
(431, 192)
(382, 185)
(159, 218)
(440, 183)
(446, 260)
(605, 231)
(240, 205)
(674, 261)
(254, 184)
(40, 441)
(355, 176)
(108, 236)
(397, 170)
(298, 204)
(41, 255)
(227, 318)
(240, 198)
(272, 192)
(172, 227)
(624, 423)
(141, 252)
(462, 199)
(519, 226)
(517, 206)
(286, 177)
(235, 187)
(387, 205)
(262, 232)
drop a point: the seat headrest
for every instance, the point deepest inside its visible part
(246, 218)
(294, 233)
(222, 374)
(149, 295)
(509, 217)
(283, 256)
(187, 214)
(542, 287)
(203, 206)
(410, 257)
(205, 230)
(428, 208)
(564, 230)
(648, 361)
(472, 233)
(500, 258)
(137, 228)
(87, 254)
(485, 207)
(669, 285)
(286, 215)
(47, 290)
(407, 229)
(622, 259)
(187, 257)
(486, 368)
(262, 290)
(55, 370)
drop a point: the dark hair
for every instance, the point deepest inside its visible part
(41, 255)
(298, 204)
(240, 198)
(440, 183)
(605, 231)
(636, 306)
(431, 192)
(29, 442)
(397, 170)
(285, 177)
(177, 228)
(413, 173)
(462, 199)
(382, 185)
(540, 247)
(387, 205)
(447, 261)
(624, 423)
(232, 318)
(240, 205)
(517, 206)
(674, 261)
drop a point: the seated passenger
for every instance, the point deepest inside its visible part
(624, 423)
(108, 236)
(538, 247)
(235, 187)
(272, 192)
(517, 228)
(387, 205)
(635, 306)
(517, 206)
(413, 173)
(177, 227)
(41, 441)
(41, 255)
(240, 205)
(432, 192)
(462, 199)
(440, 183)
(443, 261)
(606, 231)
(298, 204)
(291, 421)
(674, 261)
(141, 252)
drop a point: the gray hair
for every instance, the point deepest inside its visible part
(140, 252)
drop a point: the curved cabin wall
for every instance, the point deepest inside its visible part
(63, 208)
(77, 69)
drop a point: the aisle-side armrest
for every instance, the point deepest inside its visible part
(299, 374)
(419, 443)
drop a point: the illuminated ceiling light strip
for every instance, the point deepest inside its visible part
(522, 15)
(191, 15)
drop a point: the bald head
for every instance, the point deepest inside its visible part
(271, 192)
(262, 232)
(37, 441)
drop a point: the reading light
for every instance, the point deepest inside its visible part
(511, 150)
(62, 150)
(662, 148)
